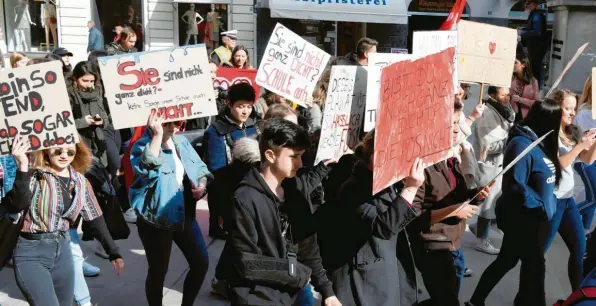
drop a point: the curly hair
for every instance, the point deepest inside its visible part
(81, 162)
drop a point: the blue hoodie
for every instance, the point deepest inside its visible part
(531, 182)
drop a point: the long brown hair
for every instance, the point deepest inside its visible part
(15, 57)
(585, 101)
(527, 75)
(366, 148)
(81, 161)
(247, 63)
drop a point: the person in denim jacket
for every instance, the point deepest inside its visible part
(169, 179)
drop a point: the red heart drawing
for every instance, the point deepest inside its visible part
(492, 46)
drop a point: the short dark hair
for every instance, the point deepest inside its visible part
(458, 106)
(364, 44)
(241, 92)
(280, 133)
(492, 90)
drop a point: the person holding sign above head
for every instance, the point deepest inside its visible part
(524, 87)
(53, 196)
(360, 249)
(574, 147)
(169, 180)
(444, 199)
(223, 54)
(526, 205)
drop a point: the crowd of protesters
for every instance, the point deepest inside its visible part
(290, 226)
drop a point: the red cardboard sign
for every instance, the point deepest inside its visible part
(415, 118)
(227, 77)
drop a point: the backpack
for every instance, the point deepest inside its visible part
(585, 295)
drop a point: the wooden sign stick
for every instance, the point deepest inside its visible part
(481, 94)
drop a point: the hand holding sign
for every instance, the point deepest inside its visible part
(20, 147)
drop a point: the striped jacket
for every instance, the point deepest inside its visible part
(46, 213)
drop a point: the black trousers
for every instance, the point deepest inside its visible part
(440, 277)
(523, 241)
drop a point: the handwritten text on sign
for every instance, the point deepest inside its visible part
(486, 53)
(415, 116)
(35, 104)
(377, 61)
(429, 42)
(291, 66)
(344, 111)
(171, 81)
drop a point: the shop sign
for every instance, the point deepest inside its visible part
(291, 66)
(434, 6)
(344, 111)
(415, 116)
(165, 81)
(35, 105)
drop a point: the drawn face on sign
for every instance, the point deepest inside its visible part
(224, 84)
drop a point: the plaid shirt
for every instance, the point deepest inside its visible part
(46, 214)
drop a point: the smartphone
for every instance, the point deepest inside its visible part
(97, 118)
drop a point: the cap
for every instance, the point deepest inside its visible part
(233, 34)
(62, 52)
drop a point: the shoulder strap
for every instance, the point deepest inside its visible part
(585, 293)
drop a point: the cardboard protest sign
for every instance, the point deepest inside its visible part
(344, 111)
(170, 81)
(35, 104)
(415, 116)
(486, 53)
(377, 61)
(593, 93)
(429, 42)
(227, 77)
(291, 66)
(579, 52)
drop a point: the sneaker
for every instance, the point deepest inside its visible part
(468, 272)
(486, 247)
(90, 270)
(99, 251)
(219, 287)
(130, 216)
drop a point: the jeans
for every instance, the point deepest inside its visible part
(483, 227)
(158, 246)
(44, 270)
(587, 207)
(81, 291)
(523, 240)
(460, 265)
(567, 222)
(305, 297)
(441, 275)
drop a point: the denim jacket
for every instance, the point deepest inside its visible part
(155, 195)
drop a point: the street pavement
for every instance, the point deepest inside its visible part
(128, 289)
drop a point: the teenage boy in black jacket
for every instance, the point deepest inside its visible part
(271, 236)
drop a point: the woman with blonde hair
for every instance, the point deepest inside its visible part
(53, 196)
(584, 121)
(18, 59)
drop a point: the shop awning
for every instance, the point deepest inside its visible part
(374, 11)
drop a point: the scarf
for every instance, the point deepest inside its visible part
(89, 103)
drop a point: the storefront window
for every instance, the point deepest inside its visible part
(202, 23)
(122, 13)
(30, 25)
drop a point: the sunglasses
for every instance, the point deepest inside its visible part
(70, 153)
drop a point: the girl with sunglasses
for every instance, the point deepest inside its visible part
(169, 179)
(53, 196)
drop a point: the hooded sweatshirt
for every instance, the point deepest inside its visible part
(257, 228)
(530, 184)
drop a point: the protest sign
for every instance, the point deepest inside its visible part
(35, 104)
(227, 77)
(170, 81)
(593, 93)
(291, 66)
(430, 42)
(344, 111)
(377, 61)
(415, 116)
(486, 53)
(556, 83)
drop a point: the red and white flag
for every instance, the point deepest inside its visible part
(454, 16)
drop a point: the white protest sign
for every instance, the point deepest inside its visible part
(430, 42)
(344, 111)
(35, 104)
(291, 66)
(593, 92)
(376, 62)
(176, 82)
(486, 53)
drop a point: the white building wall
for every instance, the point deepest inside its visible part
(160, 20)
(73, 33)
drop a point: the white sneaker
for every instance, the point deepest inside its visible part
(485, 246)
(99, 251)
(130, 216)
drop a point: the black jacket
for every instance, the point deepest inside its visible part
(366, 252)
(257, 229)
